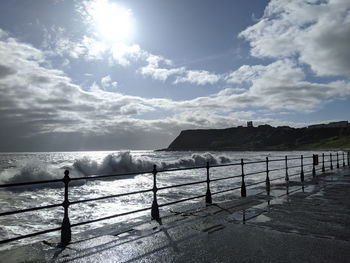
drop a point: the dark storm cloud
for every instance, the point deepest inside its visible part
(5, 71)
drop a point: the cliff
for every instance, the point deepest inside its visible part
(263, 137)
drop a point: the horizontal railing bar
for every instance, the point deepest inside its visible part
(223, 165)
(298, 173)
(181, 200)
(277, 169)
(295, 166)
(30, 183)
(308, 164)
(294, 158)
(29, 235)
(276, 160)
(311, 164)
(253, 162)
(110, 217)
(178, 185)
(109, 196)
(224, 178)
(180, 169)
(97, 177)
(260, 172)
(255, 183)
(227, 190)
(29, 209)
(278, 178)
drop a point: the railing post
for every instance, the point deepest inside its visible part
(155, 208)
(208, 194)
(302, 169)
(286, 163)
(330, 156)
(267, 176)
(343, 160)
(313, 165)
(337, 160)
(323, 169)
(66, 234)
(243, 189)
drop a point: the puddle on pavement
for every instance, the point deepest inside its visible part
(260, 219)
(244, 215)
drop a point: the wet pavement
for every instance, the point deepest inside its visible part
(309, 224)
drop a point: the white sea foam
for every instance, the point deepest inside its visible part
(28, 171)
(113, 163)
(196, 160)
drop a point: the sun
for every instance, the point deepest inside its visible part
(112, 22)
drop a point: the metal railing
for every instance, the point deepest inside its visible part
(66, 226)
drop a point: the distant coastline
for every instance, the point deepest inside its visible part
(332, 136)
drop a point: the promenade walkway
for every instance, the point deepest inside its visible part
(309, 224)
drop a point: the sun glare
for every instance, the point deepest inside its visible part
(112, 22)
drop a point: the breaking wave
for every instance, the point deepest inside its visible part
(30, 171)
(124, 162)
(196, 160)
(114, 163)
(121, 162)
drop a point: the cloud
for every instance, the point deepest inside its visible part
(90, 45)
(107, 82)
(161, 69)
(316, 32)
(158, 68)
(45, 100)
(58, 43)
(94, 49)
(42, 108)
(122, 53)
(199, 77)
(282, 85)
(245, 73)
(6, 71)
(40, 102)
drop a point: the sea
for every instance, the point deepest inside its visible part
(35, 166)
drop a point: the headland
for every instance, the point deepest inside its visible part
(332, 136)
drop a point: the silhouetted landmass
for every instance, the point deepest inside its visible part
(264, 137)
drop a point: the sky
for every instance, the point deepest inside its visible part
(131, 74)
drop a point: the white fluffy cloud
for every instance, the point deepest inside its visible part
(107, 82)
(47, 100)
(199, 77)
(317, 32)
(123, 53)
(282, 85)
(159, 68)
